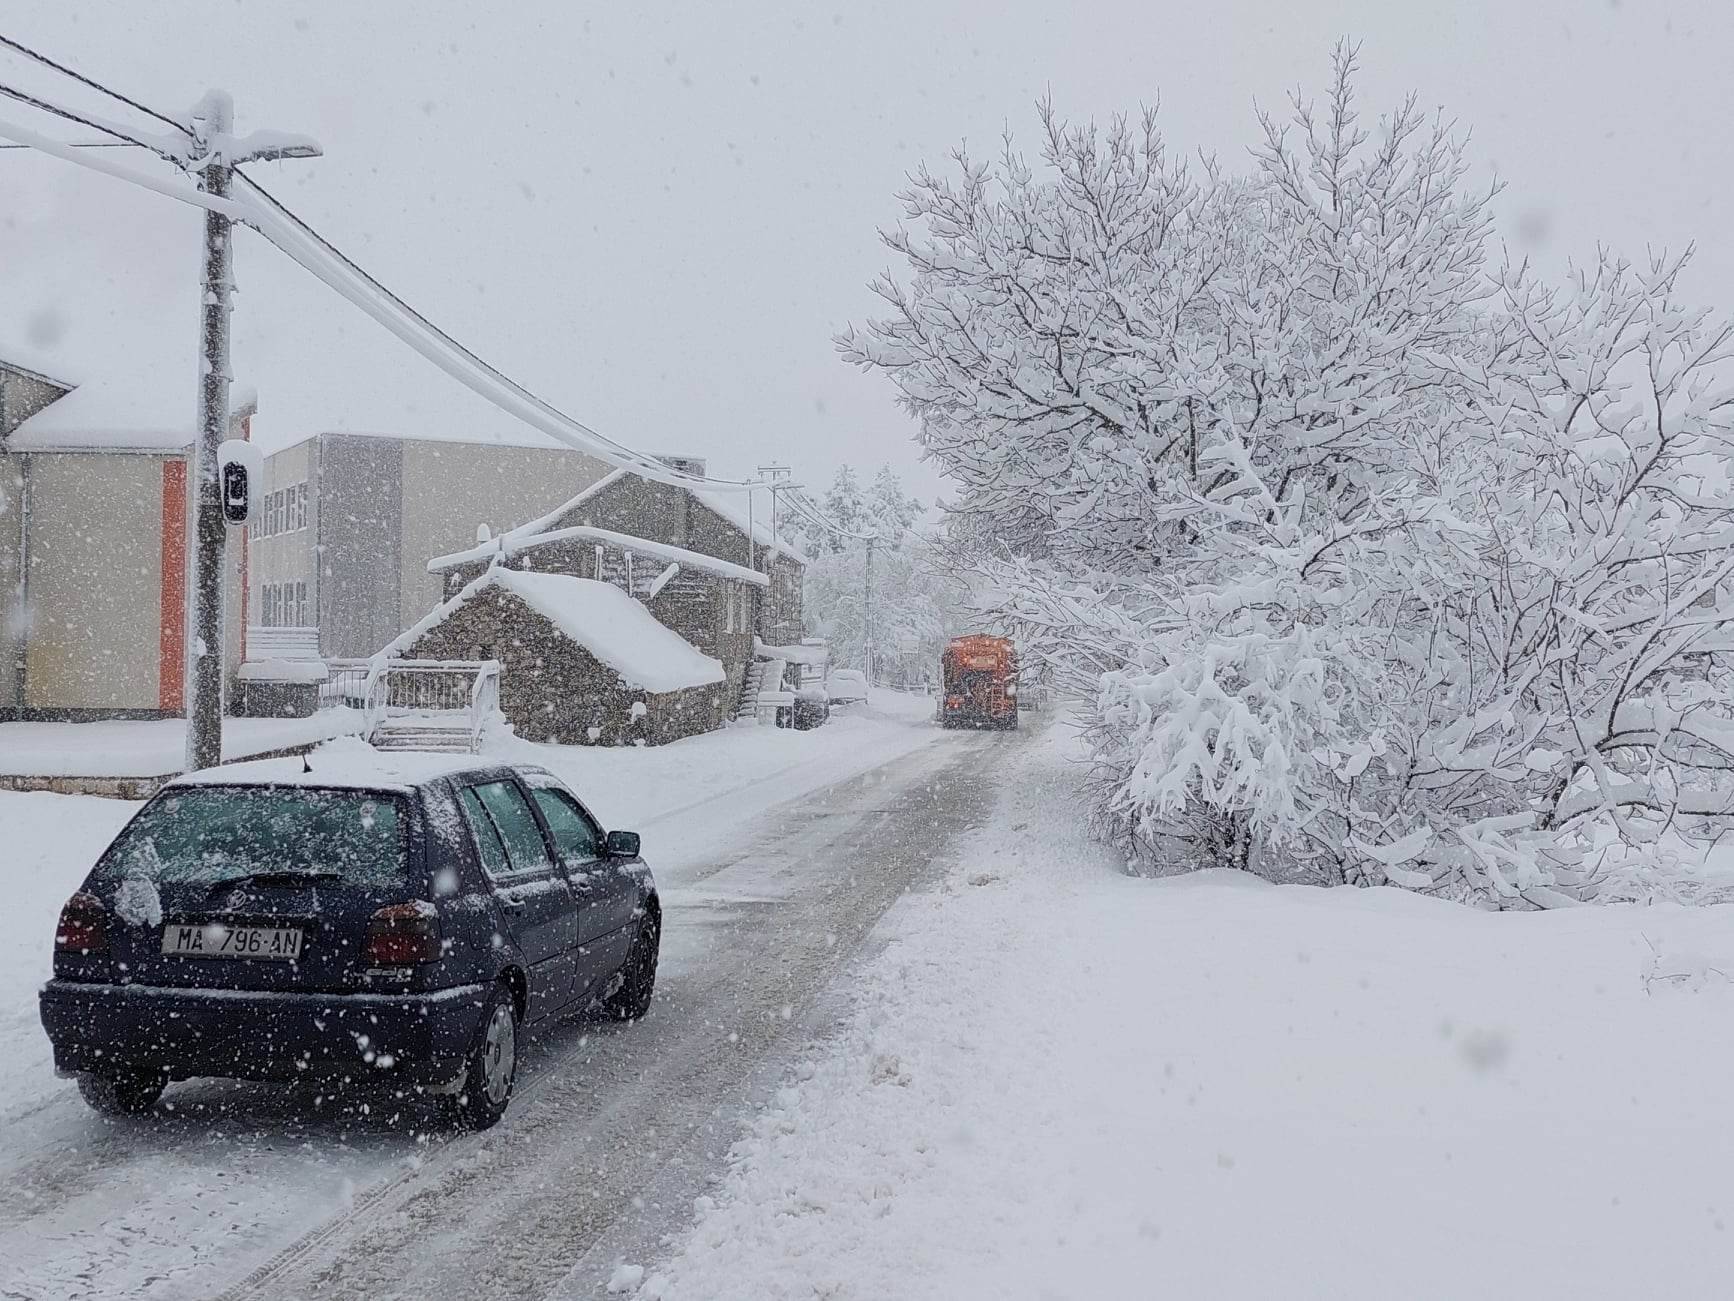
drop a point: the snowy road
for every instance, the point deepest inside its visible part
(246, 1190)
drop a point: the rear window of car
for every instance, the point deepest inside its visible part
(206, 834)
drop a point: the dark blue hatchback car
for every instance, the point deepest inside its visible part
(399, 919)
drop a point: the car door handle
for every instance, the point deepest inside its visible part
(511, 905)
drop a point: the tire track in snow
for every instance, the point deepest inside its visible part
(507, 1214)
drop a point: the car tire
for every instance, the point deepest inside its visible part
(638, 984)
(132, 1094)
(491, 1069)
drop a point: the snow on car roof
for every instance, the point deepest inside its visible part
(348, 763)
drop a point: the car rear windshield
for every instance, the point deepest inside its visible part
(206, 834)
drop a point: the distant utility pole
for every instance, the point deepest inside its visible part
(218, 154)
(778, 475)
(868, 615)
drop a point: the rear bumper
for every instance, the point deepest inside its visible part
(257, 1035)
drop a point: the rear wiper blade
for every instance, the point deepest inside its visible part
(275, 878)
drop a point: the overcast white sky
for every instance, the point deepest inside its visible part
(658, 215)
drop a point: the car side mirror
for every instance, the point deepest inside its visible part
(622, 844)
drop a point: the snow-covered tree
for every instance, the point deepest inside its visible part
(1370, 559)
(914, 605)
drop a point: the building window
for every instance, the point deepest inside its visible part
(301, 605)
(301, 506)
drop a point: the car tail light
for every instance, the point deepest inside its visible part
(403, 934)
(83, 925)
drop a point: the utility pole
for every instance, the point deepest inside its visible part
(218, 155)
(868, 615)
(777, 475)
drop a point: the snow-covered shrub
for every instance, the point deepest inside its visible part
(1368, 559)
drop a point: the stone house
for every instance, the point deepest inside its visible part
(708, 523)
(582, 662)
(714, 605)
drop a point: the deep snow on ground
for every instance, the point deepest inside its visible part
(151, 748)
(47, 843)
(1057, 1081)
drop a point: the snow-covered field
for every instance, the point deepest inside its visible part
(1056, 1081)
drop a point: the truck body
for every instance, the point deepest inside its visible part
(980, 683)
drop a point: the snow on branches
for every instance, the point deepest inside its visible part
(1373, 560)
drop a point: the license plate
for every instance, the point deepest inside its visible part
(216, 940)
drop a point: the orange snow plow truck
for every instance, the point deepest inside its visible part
(980, 677)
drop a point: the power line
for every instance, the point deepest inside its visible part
(11, 92)
(78, 76)
(816, 516)
(286, 230)
(609, 448)
(84, 144)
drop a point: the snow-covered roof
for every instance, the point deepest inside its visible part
(511, 543)
(552, 517)
(813, 656)
(83, 418)
(598, 616)
(735, 513)
(24, 362)
(718, 503)
(529, 438)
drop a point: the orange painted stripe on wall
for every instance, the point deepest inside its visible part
(172, 635)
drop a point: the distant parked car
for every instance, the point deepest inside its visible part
(350, 923)
(847, 687)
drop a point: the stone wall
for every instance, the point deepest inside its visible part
(552, 689)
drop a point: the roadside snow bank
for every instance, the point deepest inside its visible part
(51, 842)
(1061, 1082)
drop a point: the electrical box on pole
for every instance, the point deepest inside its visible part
(242, 468)
(220, 493)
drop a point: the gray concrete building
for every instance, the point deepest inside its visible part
(350, 521)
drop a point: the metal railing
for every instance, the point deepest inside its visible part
(395, 688)
(345, 683)
(484, 701)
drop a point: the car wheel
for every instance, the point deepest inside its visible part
(638, 975)
(491, 1070)
(132, 1094)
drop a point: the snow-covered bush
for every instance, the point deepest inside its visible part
(1370, 560)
